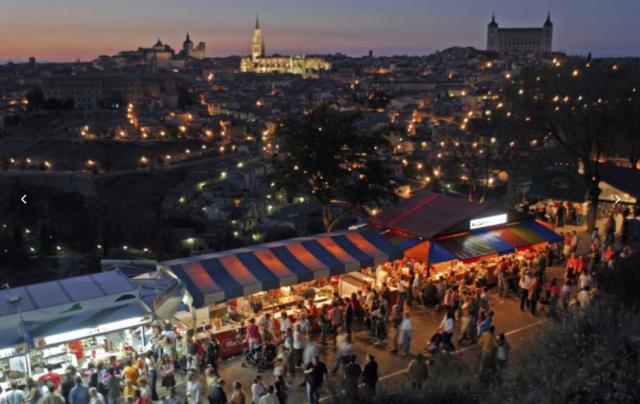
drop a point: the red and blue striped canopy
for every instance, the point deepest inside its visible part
(498, 241)
(217, 277)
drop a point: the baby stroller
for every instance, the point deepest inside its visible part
(434, 343)
(261, 357)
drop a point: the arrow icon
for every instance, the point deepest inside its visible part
(24, 199)
(617, 198)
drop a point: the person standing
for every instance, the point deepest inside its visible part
(396, 320)
(167, 372)
(258, 389)
(299, 342)
(281, 389)
(370, 374)
(534, 294)
(554, 295)
(525, 280)
(349, 315)
(418, 372)
(33, 392)
(406, 330)
(193, 389)
(15, 395)
(446, 327)
(113, 387)
(315, 374)
(337, 318)
(213, 353)
(79, 394)
(95, 397)
(152, 370)
(352, 372)
(269, 397)
(67, 385)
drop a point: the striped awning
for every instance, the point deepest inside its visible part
(217, 277)
(498, 241)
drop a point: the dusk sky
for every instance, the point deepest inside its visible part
(59, 30)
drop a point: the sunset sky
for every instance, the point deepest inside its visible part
(59, 30)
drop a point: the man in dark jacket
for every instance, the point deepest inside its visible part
(370, 374)
(67, 385)
(216, 394)
(352, 372)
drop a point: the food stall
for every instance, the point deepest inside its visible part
(232, 286)
(71, 322)
(451, 233)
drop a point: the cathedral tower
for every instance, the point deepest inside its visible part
(492, 34)
(257, 43)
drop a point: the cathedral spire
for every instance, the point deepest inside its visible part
(257, 22)
(548, 22)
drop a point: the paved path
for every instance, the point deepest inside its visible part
(520, 328)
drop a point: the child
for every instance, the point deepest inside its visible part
(503, 352)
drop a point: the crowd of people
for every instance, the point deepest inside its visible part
(293, 344)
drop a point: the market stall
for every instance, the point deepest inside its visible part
(274, 278)
(73, 321)
(449, 232)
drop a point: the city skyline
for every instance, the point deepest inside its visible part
(74, 29)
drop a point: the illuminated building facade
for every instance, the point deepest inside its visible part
(294, 64)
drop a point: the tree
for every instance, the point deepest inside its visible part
(579, 105)
(321, 155)
(491, 142)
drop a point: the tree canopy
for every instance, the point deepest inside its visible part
(583, 108)
(324, 156)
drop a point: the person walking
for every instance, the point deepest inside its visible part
(488, 346)
(502, 354)
(238, 396)
(216, 394)
(446, 327)
(352, 373)
(370, 375)
(418, 372)
(315, 374)
(79, 394)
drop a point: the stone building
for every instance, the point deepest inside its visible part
(521, 40)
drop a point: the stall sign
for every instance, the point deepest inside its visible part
(88, 332)
(488, 221)
(13, 351)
